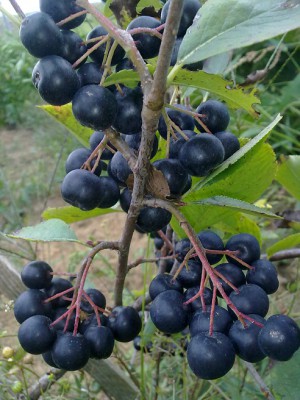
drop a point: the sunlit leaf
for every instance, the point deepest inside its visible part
(64, 115)
(221, 26)
(54, 230)
(71, 214)
(234, 97)
(283, 244)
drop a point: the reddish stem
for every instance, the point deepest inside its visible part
(56, 296)
(95, 308)
(166, 240)
(64, 315)
(212, 311)
(71, 17)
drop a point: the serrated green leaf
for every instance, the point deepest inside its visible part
(217, 64)
(156, 4)
(235, 204)
(64, 115)
(240, 223)
(286, 243)
(226, 25)
(245, 180)
(234, 97)
(127, 77)
(238, 155)
(288, 174)
(54, 230)
(71, 214)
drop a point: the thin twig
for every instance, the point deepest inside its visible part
(44, 383)
(18, 9)
(259, 381)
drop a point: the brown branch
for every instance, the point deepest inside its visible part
(44, 383)
(124, 39)
(17, 9)
(285, 255)
(140, 261)
(71, 17)
(259, 381)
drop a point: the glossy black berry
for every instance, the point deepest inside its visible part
(233, 274)
(196, 304)
(94, 106)
(182, 247)
(134, 142)
(163, 282)
(109, 193)
(153, 219)
(61, 325)
(98, 54)
(211, 241)
(263, 274)
(129, 108)
(191, 67)
(250, 299)
(210, 357)
(96, 296)
(81, 188)
(89, 74)
(245, 339)
(168, 313)
(60, 10)
(175, 145)
(47, 357)
(181, 119)
(148, 45)
(78, 157)
(176, 176)
(201, 154)
(95, 140)
(37, 275)
(56, 80)
(101, 341)
(190, 8)
(70, 352)
(73, 47)
(190, 275)
(91, 320)
(229, 141)
(40, 35)
(119, 168)
(216, 116)
(59, 285)
(35, 335)
(201, 320)
(247, 247)
(125, 323)
(279, 338)
(30, 303)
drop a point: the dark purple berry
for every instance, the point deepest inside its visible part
(216, 116)
(37, 275)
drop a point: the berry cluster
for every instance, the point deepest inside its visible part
(52, 326)
(217, 334)
(61, 52)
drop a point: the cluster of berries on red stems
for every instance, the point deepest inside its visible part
(181, 300)
(49, 325)
(46, 311)
(61, 79)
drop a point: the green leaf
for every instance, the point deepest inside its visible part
(235, 98)
(284, 377)
(54, 230)
(218, 63)
(286, 243)
(221, 26)
(288, 174)
(127, 77)
(71, 214)
(239, 223)
(244, 180)
(235, 204)
(64, 115)
(156, 4)
(238, 155)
